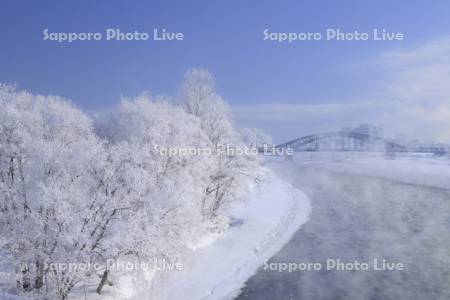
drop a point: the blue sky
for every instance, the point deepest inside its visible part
(225, 37)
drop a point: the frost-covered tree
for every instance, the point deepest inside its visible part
(231, 175)
(167, 186)
(62, 193)
(47, 146)
(254, 137)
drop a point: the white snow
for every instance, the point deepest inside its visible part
(270, 218)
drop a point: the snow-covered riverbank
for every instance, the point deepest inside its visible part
(217, 271)
(222, 263)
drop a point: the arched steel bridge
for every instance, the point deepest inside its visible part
(351, 141)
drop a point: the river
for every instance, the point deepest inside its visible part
(361, 218)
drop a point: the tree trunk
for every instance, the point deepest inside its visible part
(23, 280)
(39, 281)
(103, 281)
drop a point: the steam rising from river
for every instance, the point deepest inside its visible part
(362, 218)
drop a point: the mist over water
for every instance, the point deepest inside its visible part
(361, 218)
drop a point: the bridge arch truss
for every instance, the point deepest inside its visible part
(343, 141)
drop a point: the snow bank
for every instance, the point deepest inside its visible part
(270, 218)
(420, 170)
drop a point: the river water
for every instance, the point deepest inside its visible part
(361, 218)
